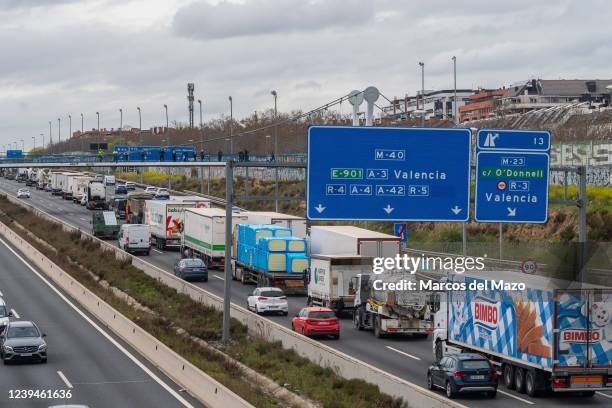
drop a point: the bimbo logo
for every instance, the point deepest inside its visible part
(485, 313)
(580, 336)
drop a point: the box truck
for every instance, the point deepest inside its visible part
(135, 207)
(345, 239)
(542, 337)
(96, 195)
(296, 224)
(268, 255)
(204, 234)
(166, 219)
(79, 188)
(70, 185)
(199, 202)
(331, 281)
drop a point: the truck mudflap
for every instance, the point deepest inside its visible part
(583, 332)
(406, 326)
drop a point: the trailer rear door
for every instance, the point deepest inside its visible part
(583, 321)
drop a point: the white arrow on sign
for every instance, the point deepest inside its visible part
(319, 208)
(456, 210)
(388, 209)
(511, 212)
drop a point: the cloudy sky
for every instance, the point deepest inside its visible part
(62, 57)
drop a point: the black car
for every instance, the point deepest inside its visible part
(22, 340)
(465, 372)
(191, 268)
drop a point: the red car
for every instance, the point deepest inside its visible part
(316, 321)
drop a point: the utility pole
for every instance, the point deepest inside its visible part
(275, 94)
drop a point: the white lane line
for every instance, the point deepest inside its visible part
(218, 277)
(64, 379)
(603, 395)
(83, 219)
(102, 332)
(156, 250)
(1, 295)
(15, 314)
(515, 397)
(403, 353)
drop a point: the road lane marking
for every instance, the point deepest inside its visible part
(15, 314)
(602, 394)
(515, 397)
(403, 353)
(64, 379)
(218, 277)
(102, 332)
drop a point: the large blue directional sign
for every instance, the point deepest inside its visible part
(512, 176)
(388, 174)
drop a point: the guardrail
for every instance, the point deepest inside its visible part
(317, 352)
(199, 384)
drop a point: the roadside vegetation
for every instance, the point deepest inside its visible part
(85, 258)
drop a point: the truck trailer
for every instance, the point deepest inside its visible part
(135, 207)
(96, 196)
(345, 239)
(544, 337)
(296, 224)
(204, 234)
(70, 185)
(166, 219)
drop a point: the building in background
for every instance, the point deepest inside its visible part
(437, 104)
(547, 93)
(481, 104)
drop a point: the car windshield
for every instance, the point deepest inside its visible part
(474, 364)
(321, 314)
(272, 293)
(192, 263)
(22, 331)
(3, 312)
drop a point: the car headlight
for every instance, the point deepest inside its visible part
(8, 348)
(42, 347)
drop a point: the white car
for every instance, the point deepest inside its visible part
(151, 189)
(23, 193)
(130, 185)
(268, 300)
(162, 194)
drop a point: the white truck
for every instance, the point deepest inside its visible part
(546, 336)
(167, 220)
(346, 239)
(297, 224)
(79, 188)
(96, 195)
(56, 182)
(204, 234)
(331, 281)
(42, 178)
(199, 202)
(69, 185)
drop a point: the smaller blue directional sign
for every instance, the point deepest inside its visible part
(510, 140)
(388, 174)
(14, 154)
(511, 187)
(400, 229)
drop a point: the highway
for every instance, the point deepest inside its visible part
(406, 358)
(84, 358)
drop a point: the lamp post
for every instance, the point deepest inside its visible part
(82, 133)
(59, 131)
(201, 127)
(168, 142)
(50, 138)
(139, 125)
(455, 118)
(69, 128)
(22, 145)
(275, 95)
(231, 141)
(42, 135)
(121, 124)
(33, 142)
(422, 65)
(99, 136)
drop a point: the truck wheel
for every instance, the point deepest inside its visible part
(243, 279)
(519, 380)
(377, 330)
(439, 353)
(357, 320)
(530, 383)
(309, 302)
(509, 376)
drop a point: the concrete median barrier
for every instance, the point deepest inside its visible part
(317, 352)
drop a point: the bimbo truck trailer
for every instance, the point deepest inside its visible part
(547, 336)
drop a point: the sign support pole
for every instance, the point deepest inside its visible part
(582, 214)
(501, 239)
(229, 192)
(464, 238)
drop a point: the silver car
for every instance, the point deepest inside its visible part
(22, 340)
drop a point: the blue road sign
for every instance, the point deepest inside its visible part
(511, 187)
(388, 174)
(512, 140)
(400, 229)
(14, 154)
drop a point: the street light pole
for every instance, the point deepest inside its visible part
(121, 124)
(422, 64)
(201, 148)
(33, 142)
(455, 118)
(231, 101)
(168, 142)
(50, 138)
(99, 136)
(22, 145)
(69, 128)
(82, 132)
(59, 130)
(42, 135)
(139, 125)
(275, 94)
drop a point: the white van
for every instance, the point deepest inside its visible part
(135, 238)
(109, 180)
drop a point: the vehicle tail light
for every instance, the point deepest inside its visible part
(460, 374)
(262, 298)
(560, 383)
(493, 373)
